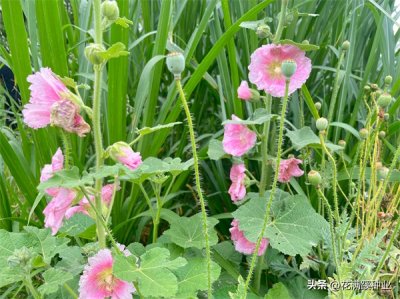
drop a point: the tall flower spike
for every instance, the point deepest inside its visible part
(265, 69)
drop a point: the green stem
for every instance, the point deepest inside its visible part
(335, 90)
(331, 226)
(334, 178)
(281, 23)
(70, 291)
(98, 39)
(158, 214)
(67, 148)
(31, 288)
(273, 190)
(264, 149)
(198, 186)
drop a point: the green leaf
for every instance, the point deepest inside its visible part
(153, 274)
(72, 260)
(53, 279)
(215, 149)
(188, 232)
(306, 137)
(298, 289)
(67, 178)
(278, 291)
(259, 117)
(294, 226)
(44, 243)
(123, 22)
(116, 50)
(147, 130)
(153, 166)
(193, 277)
(346, 127)
(77, 225)
(253, 25)
(301, 46)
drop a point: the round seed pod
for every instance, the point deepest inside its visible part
(321, 123)
(110, 10)
(288, 68)
(314, 177)
(176, 64)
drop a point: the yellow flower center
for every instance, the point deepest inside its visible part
(274, 69)
(107, 280)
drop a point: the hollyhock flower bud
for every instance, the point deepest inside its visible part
(123, 153)
(346, 45)
(92, 52)
(321, 124)
(246, 93)
(98, 280)
(384, 100)
(288, 68)
(318, 105)
(383, 173)
(364, 133)
(382, 134)
(176, 64)
(238, 139)
(342, 143)
(367, 88)
(265, 69)
(289, 168)
(388, 80)
(242, 244)
(110, 10)
(263, 31)
(386, 116)
(20, 257)
(237, 190)
(314, 178)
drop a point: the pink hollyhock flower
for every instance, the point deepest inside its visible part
(289, 168)
(265, 68)
(50, 103)
(242, 244)
(238, 139)
(57, 164)
(84, 205)
(57, 207)
(98, 281)
(123, 153)
(123, 249)
(237, 190)
(244, 92)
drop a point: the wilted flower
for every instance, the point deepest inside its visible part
(84, 205)
(123, 153)
(289, 168)
(237, 190)
(57, 207)
(242, 244)
(238, 139)
(51, 103)
(266, 68)
(98, 281)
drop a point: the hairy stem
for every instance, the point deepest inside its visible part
(273, 190)
(98, 38)
(198, 186)
(30, 287)
(67, 149)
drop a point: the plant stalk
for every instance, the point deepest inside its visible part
(273, 190)
(198, 186)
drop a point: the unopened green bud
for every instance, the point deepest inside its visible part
(305, 42)
(314, 178)
(176, 64)
(346, 45)
(374, 86)
(378, 93)
(364, 133)
(382, 134)
(383, 173)
(321, 123)
(92, 53)
(388, 80)
(110, 10)
(19, 257)
(386, 116)
(318, 105)
(263, 31)
(367, 88)
(288, 68)
(384, 100)
(342, 143)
